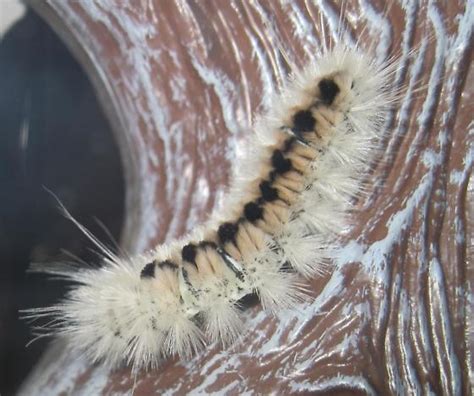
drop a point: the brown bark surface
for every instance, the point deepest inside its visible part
(182, 81)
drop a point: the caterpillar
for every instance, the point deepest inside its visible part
(280, 224)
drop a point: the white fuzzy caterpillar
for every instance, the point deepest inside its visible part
(281, 220)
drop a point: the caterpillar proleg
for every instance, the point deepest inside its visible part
(279, 224)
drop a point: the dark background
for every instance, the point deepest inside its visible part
(53, 134)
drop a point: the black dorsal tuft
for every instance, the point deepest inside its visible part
(303, 121)
(269, 193)
(329, 90)
(167, 264)
(253, 212)
(188, 253)
(227, 232)
(148, 270)
(280, 163)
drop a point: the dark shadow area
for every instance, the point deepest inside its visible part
(52, 134)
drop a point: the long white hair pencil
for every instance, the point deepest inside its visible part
(304, 169)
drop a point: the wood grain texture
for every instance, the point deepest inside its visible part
(181, 83)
